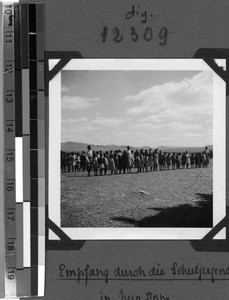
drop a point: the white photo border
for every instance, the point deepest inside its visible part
(219, 150)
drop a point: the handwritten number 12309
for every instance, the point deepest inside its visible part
(147, 35)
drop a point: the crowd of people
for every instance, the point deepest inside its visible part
(144, 160)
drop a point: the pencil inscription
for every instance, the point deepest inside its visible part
(148, 34)
(137, 16)
(136, 12)
(175, 271)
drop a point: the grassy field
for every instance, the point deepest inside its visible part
(174, 198)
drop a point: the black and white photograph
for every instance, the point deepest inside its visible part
(137, 148)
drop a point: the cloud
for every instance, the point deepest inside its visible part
(174, 113)
(86, 128)
(75, 103)
(65, 89)
(193, 134)
(174, 97)
(70, 121)
(174, 126)
(181, 111)
(180, 126)
(103, 121)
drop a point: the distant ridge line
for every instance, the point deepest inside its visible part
(79, 147)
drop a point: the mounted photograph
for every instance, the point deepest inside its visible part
(137, 149)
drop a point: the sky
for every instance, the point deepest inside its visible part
(137, 108)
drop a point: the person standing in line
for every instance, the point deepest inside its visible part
(178, 160)
(74, 163)
(150, 160)
(124, 161)
(132, 160)
(112, 164)
(95, 164)
(201, 159)
(207, 155)
(62, 158)
(78, 162)
(142, 159)
(105, 161)
(187, 155)
(128, 159)
(192, 158)
(204, 160)
(68, 162)
(164, 165)
(183, 160)
(70, 168)
(137, 161)
(116, 161)
(146, 161)
(173, 161)
(83, 161)
(156, 160)
(89, 157)
(101, 163)
(120, 164)
(160, 161)
(168, 161)
(198, 160)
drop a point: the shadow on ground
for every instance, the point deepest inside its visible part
(197, 215)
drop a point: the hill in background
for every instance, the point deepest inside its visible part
(79, 147)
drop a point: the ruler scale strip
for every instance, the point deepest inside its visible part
(2, 183)
(18, 137)
(26, 133)
(24, 154)
(33, 147)
(24, 274)
(9, 121)
(41, 145)
(26, 148)
(19, 151)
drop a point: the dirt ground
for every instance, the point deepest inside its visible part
(174, 198)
